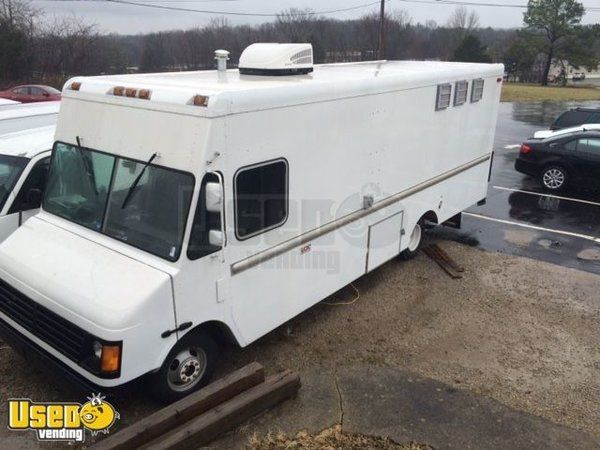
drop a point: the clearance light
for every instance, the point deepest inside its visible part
(110, 359)
(131, 92)
(75, 86)
(144, 94)
(118, 90)
(200, 100)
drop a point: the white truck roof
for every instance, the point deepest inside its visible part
(544, 134)
(231, 93)
(27, 143)
(6, 102)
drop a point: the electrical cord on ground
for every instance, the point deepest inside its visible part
(346, 303)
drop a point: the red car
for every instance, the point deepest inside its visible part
(31, 93)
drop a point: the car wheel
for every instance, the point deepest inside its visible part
(414, 242)
(554, 178)
(189, 366)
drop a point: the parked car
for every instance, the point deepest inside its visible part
(576, 116)
(31, 94)
(25, 116)
(24, 162)
(562, 160)
(578, 76)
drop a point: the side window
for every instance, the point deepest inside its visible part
(594, 118)
(477, 90)
(571, 145)
(206, 218)
(36, 181)
(261, 198)
(589, 146)
(444, 94)
(460, 92)
(36, 91)
(21, 91)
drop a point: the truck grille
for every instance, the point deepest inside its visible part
(67, 338)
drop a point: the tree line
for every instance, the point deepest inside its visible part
(33, 50)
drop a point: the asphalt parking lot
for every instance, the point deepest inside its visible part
(520, 218)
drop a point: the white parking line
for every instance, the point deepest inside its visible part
(535, 227)
(510, 147)
(548, 195)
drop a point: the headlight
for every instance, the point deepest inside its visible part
(98, 349)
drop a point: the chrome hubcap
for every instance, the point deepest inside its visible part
(187, 369)
(415, 238)
(553, 178)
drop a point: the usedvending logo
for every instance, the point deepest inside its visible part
(62, 421)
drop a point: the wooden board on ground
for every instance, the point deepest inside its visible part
(178, 413)
(444, 260)
(206, 427)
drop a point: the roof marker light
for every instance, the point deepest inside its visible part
(75, 86)
(200, 100)
(131, 92)
(118, 90)
(144, 94)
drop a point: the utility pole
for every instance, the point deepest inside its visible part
(381, 41)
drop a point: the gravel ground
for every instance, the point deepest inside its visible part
(518, 330)
(521, 331)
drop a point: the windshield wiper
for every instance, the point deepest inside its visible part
(86, 165)
(136, 181)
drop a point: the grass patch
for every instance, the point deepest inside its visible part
(516, 92)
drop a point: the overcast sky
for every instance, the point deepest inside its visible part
(129, 19)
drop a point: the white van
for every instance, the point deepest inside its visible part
(186, 207)
(24, 163)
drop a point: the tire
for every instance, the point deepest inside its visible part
(554, 178)
(414, 242)
(189, 365)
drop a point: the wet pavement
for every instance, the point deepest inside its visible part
(520, 217)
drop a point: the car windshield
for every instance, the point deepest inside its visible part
(90, 188)
(11, 168)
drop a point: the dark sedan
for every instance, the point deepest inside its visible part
(31, 94)
(570, 159)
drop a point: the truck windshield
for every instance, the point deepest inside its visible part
(11, 168)
(89, 188)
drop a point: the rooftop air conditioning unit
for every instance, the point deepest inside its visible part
(276, 59)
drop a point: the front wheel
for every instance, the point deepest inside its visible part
(554, 178)
(189, 366)
(414, 243)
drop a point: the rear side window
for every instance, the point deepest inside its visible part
(589, 146)
(261, 198)
(477, 90)
(571, 118)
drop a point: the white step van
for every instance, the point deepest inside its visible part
(186, 207)
(24, 163)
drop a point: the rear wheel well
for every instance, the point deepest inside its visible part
(429, 217)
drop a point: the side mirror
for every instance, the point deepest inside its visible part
(34, 199)
(215, 238)
(214, 197)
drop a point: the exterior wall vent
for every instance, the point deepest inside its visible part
(276, 59)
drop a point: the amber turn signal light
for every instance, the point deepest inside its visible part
(110, 361)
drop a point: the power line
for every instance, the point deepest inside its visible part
(232, 13)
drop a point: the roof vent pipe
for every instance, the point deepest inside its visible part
(222, 56)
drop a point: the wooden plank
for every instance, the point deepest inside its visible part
(435, 253)
(177, 413)
(203, 429)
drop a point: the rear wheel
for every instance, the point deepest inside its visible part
(189, 366)
(414, 242)
(554, 178)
